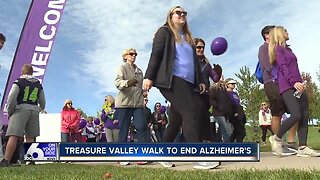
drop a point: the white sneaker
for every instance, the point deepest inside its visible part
(124, 163)
(206, 165)
(167, 164)
(271, 139)
(307, 152)
(276, 145)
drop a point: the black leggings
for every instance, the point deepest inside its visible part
(239, 131)
(299, 112)
(264, 132)
(185, 110)
(205, 133)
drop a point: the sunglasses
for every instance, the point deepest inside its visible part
(263, 104)
(157, 105)
(131, 54)
(200, 47)
(179, 13)
(69, 103)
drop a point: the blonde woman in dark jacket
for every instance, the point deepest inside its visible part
(174, 69)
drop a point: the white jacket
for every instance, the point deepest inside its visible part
(265, 119)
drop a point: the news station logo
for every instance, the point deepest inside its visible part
(40, 152)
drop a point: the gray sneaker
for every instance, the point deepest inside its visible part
(286, 152)
(206, 165)
(276, 145)
(293, 147)
(5, 163)
(307, 152)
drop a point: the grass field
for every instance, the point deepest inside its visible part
(76, 171)
(89, 172)
(313, 139)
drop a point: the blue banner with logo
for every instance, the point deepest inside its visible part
(41, 151)
(159, 152)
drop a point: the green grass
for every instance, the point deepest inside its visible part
(77, 171)
(88, 172)
(313, 139)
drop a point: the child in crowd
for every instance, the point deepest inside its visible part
(91, 130)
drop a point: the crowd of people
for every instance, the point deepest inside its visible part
(199, 97)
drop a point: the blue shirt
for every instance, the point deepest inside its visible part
(184, 66)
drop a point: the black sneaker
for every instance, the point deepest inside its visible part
(4, 163)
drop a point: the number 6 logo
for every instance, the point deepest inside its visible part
(35, 152)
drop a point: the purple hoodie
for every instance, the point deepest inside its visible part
(288, 73)
(108, 119)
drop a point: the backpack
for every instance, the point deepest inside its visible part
(258, 73)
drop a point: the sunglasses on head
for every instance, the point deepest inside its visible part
(131, 54)
(200, 47)
(179, 13)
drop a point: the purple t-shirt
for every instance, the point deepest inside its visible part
(288, 73)
(234, 97)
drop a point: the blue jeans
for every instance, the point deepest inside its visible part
(124, 116)
(64, 137)
(225, 128)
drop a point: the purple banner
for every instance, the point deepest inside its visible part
(35, 43)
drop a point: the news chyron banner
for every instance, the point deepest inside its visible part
(234, 152)
(35, 43)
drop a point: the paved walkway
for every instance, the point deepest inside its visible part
(267, 161)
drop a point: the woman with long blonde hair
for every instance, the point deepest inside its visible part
(289, 80)
(174, 69)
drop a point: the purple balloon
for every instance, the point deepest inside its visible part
(218, 46)
(83, 123)
(96, 121)
(162, 109)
